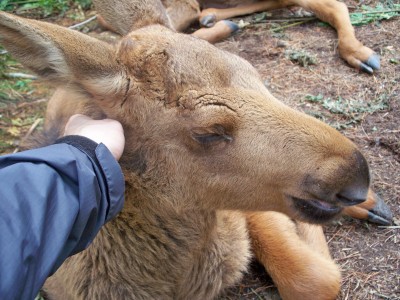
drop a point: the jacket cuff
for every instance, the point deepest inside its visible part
(107, 169)
(82, 143)
(114, 178)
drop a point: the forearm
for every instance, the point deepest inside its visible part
(53, 202)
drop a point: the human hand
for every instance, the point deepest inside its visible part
(107, 131)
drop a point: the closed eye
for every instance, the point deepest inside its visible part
(210, 138)
(211, 135)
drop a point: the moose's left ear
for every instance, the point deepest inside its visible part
(60, 55)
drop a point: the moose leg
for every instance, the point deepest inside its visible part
(337, 15)
(209, 16)
(373, 210)
(331, 11)
(295, 255)
(182, 13)
(217, 28)
(220, 31)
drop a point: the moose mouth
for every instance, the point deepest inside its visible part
(315, 211)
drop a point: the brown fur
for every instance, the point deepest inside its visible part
(300, 248)
(205, 140)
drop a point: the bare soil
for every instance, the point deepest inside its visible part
(369, 255)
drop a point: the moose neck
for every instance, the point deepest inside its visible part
(155, 207)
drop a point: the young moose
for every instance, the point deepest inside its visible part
(214, 164)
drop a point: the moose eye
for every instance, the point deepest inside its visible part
(208, 136)
(211, 138)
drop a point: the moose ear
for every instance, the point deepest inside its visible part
(61, 55)
(123, 16)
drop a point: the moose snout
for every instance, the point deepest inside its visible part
(341, 180)
(356, 187)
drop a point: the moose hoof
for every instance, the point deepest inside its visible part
(373, 218)
(371, 64)
(380, 213)
(208, 20)
(232, 26)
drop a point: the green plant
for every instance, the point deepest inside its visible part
(44, 8)
(369, 14)
(373, 14)
(11, 88)
(350, 110)
(301, 57)
(349, 107)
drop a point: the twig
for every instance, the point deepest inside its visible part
(24, 104)
(381, 295)
(82, 23)
(285, 19)
(375, 12)
(389, 227)
(349, 256)
(258, 296)
(24, 2)
(290, 25)
(20, 75)
(34, 125)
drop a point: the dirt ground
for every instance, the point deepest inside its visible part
(366, 108)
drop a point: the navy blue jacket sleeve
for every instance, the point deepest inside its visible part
(53, 201)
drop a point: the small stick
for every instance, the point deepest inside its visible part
(349, 256)
(389, 227)
(285, 19)
(20, 75)
(290, 25)
(83, 23)
(24, 104)
(34, 125)
(375, 12)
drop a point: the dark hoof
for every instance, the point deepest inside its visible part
(208, 21)
(374, 61)
(232, 25)
(371, 64)
(377, 219)
(365, 68)
(381, 213)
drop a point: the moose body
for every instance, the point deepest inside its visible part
(216, 168)
(182, 13)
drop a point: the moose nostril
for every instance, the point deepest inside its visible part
(356, 189)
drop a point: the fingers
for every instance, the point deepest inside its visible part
(106, 131)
